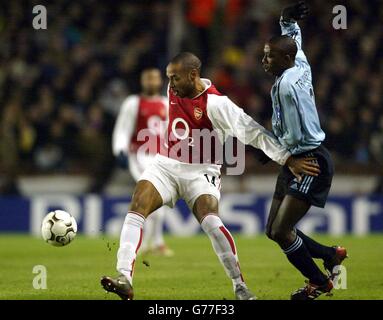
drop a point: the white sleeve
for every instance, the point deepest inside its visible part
(125, 125)
(226, 116)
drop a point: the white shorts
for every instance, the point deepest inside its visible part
(174, 179)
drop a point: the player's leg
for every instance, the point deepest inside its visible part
(158, 241)
(205, 210)
(291, 210)
(316, 249)
(289, 213)
(137, 168)
(153, 234)
(145, 200)
(153, 241)
(315, 191)
(331, 256)
(318, 189)
(275, 204)
(147, 240)
(158, 236)
(281, 188)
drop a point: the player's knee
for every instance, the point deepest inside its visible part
(145, 199)
(205, 205)
(279, 235)
(141, 204)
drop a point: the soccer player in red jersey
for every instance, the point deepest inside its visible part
(191, 170)
(138, 113)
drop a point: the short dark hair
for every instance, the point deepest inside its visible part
(188, 60)
(285, 44)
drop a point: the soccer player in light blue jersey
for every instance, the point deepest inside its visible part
(296, 124)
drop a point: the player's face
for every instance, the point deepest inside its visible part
(151, 82)
(181, 81)
(273, 60)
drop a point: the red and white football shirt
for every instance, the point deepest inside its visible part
(140, 113)
(211, 115)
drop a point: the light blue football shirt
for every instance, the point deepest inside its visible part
(295, 118)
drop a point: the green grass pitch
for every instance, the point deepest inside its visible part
(74, 271)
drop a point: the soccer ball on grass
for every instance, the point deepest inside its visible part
(58, 228)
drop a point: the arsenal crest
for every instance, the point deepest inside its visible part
(198, 113)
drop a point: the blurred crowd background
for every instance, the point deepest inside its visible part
(61, 88)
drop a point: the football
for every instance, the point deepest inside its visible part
(58, 228)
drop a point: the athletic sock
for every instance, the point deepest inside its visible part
(224, 247)
(316, 249)
(300, 258)
(130, 242)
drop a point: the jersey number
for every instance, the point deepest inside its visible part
(212, 180)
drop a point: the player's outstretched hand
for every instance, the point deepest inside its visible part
(295, 12)
(122, 160)
(301, 166)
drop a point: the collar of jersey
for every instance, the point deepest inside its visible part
(284, 72)
(207, 84)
